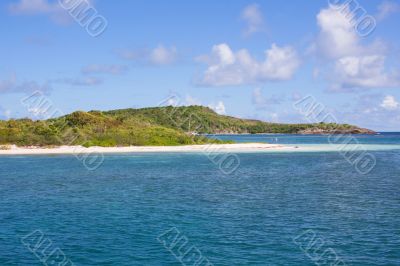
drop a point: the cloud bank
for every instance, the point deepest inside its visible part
(229, 68)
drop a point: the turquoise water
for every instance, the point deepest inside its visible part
(114, 215)
(387, 138)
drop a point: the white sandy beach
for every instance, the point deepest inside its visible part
(208, 148)
(245, 147)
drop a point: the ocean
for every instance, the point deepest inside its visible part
(274, 208)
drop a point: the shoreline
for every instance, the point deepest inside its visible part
(207, 148)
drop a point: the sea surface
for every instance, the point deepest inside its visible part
(280, 208)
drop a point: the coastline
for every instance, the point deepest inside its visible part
(207, 148)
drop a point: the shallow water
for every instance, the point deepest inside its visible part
(322, 143)
(383, 138)
(113, 215)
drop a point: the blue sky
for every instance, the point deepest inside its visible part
(252, 59)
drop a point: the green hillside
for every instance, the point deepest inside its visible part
(204, 120)
(147, 126)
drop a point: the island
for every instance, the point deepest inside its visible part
(156, 126)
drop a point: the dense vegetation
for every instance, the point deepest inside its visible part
(147, 126)
(204, 120)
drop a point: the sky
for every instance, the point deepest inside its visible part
(249, 59)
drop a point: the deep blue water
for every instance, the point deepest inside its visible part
(113, 215)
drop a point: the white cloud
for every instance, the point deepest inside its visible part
(163, 55)
(353, 64)
(253, 17)
(108, 69)
(223, 54)
(219, 107)
(365, 71)
(387, 8)
(389, 103)
(337, 36)
(41, 7)
(226, 67)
